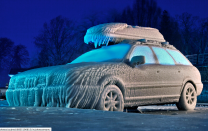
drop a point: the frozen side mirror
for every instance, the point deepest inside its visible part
(137, 60)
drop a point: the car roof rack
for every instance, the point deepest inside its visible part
(149, 42)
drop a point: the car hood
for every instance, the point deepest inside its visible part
(56, 75)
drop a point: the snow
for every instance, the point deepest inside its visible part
(163, 57)
(169, 118)
(72, 85)
(3, 103)
(117, 32)
(145, 51)
(178, 57)
(108, 53)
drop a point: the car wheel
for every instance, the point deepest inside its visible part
(111, 99)
(188, 98)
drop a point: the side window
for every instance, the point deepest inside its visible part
(163, 57)
(179, 58)
(145, 51)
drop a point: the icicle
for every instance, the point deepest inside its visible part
(107, 42)
(95, 44)
(97, 41)
(101, 40)
(104, 41)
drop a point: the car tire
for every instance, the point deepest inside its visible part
(111, 99)
(188, 98)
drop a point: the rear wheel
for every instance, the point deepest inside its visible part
(111, 99)
(188, 98)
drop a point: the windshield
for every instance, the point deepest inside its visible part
(114, 53)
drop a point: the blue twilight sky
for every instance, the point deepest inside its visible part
(21, 20)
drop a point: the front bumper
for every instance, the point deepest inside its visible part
(70, 96)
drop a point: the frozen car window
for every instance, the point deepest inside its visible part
(163, 57)
(179, 58)
(108, 53)
(145, 51)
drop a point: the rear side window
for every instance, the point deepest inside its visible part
(163, 57)
(179, 58)
(145, 51)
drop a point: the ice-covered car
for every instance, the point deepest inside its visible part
(128, 74)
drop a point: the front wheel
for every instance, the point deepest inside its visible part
(111, 99)
(188, 98)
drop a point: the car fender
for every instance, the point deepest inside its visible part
(185, 80)
(112, 80)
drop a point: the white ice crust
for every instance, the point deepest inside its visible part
(117, 32)
(72, 85)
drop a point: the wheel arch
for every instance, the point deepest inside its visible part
(112, 80)
(188, 80)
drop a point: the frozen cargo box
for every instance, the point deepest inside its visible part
(117, 32)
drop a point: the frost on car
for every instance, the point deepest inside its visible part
(140, 69)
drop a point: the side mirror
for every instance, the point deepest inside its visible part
(137, 60)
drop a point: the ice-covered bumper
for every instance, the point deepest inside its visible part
(199, 88)
(57, 96)
(36, 96)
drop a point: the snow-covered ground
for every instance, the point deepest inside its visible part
(152, 118)
(3, 103)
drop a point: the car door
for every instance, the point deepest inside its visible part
(143, 78)
(169, 75)
(154, 80)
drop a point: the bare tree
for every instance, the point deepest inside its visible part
(6, 46)
(146, 13)
(20, 56)
(203, 35)
(11, 57)
(165, 26)
(56, 41)
(194, 34)
(88, 21)
(201, 39)
(188, 28)
(127, 16)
